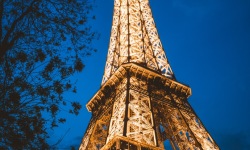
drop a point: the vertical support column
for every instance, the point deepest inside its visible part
(167, 128)
(197, 127)
(116, 127)
(153, 118)
(110, 121)
(197, 143)
(118, 144)
(128, 13)
(126, 104)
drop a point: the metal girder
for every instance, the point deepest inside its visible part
(149, 108)
(134, 38)
(140, 104)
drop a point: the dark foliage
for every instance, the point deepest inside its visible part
(42, 44)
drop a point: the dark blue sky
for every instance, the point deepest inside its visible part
(208, 45)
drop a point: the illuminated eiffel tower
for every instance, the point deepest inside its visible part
(140, 105)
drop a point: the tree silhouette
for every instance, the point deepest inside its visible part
(42, 44)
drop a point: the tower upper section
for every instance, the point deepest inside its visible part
(134, 38)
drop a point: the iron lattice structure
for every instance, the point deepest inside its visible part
(140, 104)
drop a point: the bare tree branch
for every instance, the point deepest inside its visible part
(5, 44)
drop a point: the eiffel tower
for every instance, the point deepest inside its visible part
(140, 104)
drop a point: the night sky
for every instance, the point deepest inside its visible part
(208, 45)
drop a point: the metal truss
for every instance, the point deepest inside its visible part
(134, 38)
(142, 108)
(117, 120)
(140, 123)
(140, 105)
